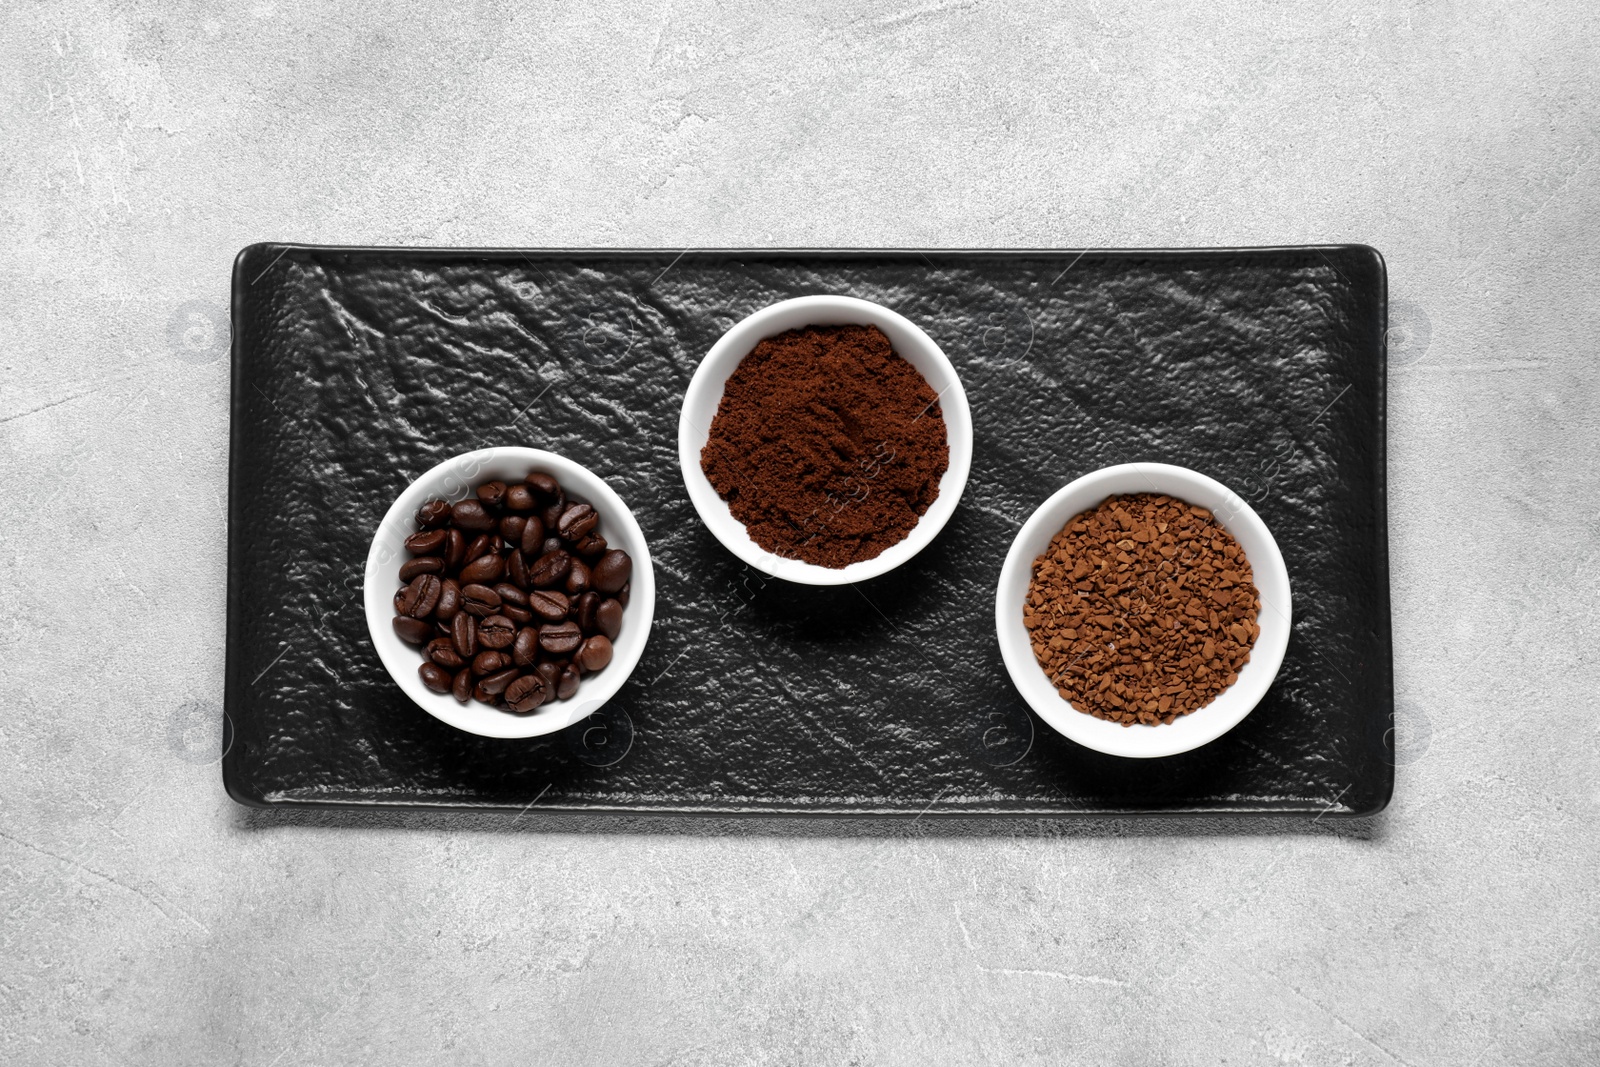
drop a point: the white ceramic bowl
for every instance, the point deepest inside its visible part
(705, 393)
(1230, 706)
(453, 480)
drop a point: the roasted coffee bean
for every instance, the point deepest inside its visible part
(492, 493)
(517, 569)
(579, 520)
(519, 498)
(532, 535)
(484, 569)
(561, 638)
(479, 600)
(472, 515)
(455, 548)
(613, 571)
(608, 618)
(412, 631)
(545, 486)
(478, 547)
(427, 542)
(443, 652)
(583, 610)
(622, 594)
(510, 594)
(551, 673)
(489, 661)
(435, 677)
(464, 635)
(591, 548)
(511, 528)
(421, 565)
(550, 569)
(496, 683)
(420, 597)
(578, 578)
(449, 600)
(552, 514)
(461, 686)
(551, 544)
(568, 682)
(517, 614)
(525, 649)
(548, 604)
(433, 513)
(594, 654)
(497, 631)
(526, 693)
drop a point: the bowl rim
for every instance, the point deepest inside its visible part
(452, 479)
(729, 351)
(1228, 708)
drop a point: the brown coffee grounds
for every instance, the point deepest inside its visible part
(827, 445)
(1142, 609)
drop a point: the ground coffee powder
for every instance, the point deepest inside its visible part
(1142, 609)
(827, 445)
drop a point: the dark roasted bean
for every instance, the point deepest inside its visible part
(511, 529)
(421, 565)
(517, 569)
(464, 635)
(497, 631)
(483, 696)
(449, 600)
(419, 598)
(412, 631)
(461, 687)
(590, 548)
(583, 610)
(568, 683)
(578, 578)
(578, 521)
(551, 544)
(544, 485)
(533, 535)
(426, 542)
(552, 514)
(550, 672)
(496, 683)
(613, 571)
(622, 594)
(526, 693)
(561, 638)
(435, 677)
(443, 652)
(594, 654)
(550, 569)
(489, 661)
(525, 649)
(549, 604)
(472, 515)
(455, 549)
(517, 614)
(510, 594)
(608, 618)
(492, 493)
(433, 513)
(479, 600)
(519, 498)
(483, 569)
(478, 547)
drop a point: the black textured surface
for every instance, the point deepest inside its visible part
(354, 370)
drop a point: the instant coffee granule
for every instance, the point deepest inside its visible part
(827, 445)
(1142, 609)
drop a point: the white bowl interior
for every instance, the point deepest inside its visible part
(705, 393)
(455, 479)
(1230, 706)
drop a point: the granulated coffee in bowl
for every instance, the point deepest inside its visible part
(827, 444)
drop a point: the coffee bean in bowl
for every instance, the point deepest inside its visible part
(509, 592)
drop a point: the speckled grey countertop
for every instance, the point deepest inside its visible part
(148, 919)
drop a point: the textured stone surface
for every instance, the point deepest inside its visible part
(149, 919)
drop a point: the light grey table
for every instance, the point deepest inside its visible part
(149, 920)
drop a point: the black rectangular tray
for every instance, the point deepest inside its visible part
(354, 370)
